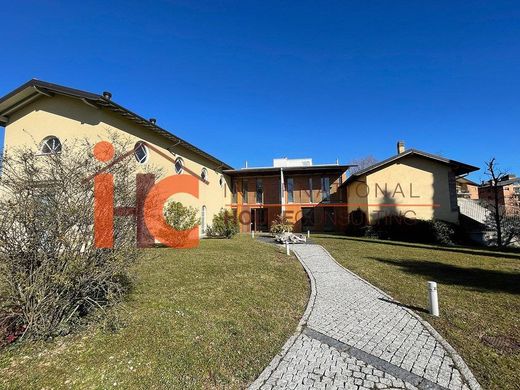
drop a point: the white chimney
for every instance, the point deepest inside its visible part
(400, 147)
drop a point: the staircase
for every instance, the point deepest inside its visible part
(473, 210)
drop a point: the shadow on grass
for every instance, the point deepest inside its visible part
(480, 251)
(475, 278)
(416, 308)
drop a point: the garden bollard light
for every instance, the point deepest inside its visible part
(253, 234)
(308, 233)
(434, 300)
(287, 249)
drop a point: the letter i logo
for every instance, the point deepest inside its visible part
(104, 199)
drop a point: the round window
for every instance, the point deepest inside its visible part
(51, 145)
(179, 165)
(204, 174)
(140, 152)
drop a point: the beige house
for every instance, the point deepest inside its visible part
(48, 116)
(412, 183)
(416, 184)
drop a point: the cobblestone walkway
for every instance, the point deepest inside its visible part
(353, 336)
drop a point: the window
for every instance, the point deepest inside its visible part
(50, 145)
(222, 181)
(259, 191)
(311, 195)
(203, 219)
(204, 174)
(452, 187)
(234, 192)
(140, 152)
(325, 189)
(179, 165)
(244, 191)
(290, 190)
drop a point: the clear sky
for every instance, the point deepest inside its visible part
(257, 80)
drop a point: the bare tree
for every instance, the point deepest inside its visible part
(362, 163)
(51, 273)
(507, 227)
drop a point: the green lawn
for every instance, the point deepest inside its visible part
(479, 294)
(207, 317)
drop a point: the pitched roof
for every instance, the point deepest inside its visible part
(459, 167)
(502, 183)
(35, 89)
(465, 180)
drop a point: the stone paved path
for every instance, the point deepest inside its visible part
(353, 336)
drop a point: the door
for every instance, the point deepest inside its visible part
(259, 219)
(307, 218)
(330, 219)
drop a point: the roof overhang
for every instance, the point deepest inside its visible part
(271, 171)
(35, 89)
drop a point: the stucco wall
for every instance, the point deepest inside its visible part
(413, 186)
(68, 118)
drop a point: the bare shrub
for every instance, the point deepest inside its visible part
(52, 274)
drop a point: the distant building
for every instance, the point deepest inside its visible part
(508, 195)
(467, 189)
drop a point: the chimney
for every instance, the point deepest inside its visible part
(400, 147)
(153, 121)
(107, 95)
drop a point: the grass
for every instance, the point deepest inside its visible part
(208, 317)
(479, 294)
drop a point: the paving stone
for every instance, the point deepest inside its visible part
(354, 314)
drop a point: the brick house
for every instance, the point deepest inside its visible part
(508, 195)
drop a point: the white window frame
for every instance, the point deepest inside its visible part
(180, 171)
(204, 174)
(145, 148)
(203, 219)
(325, 189)
(44, 143)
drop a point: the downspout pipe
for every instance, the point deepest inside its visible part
(282, 188)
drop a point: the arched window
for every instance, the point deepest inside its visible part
(179, 165)
(204, 174)
(140, 152)
(203, 219)
(50, 145)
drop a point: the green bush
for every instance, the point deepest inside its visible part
(400, 228)
(225, 224)
(357, 223)
(180, 217)
(281, 225)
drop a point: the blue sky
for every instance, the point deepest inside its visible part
(257, 80)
